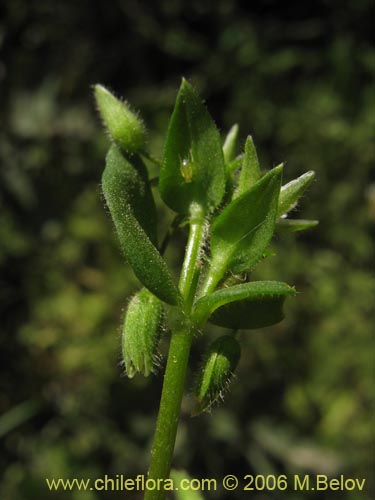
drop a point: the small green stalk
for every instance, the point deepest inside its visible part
(179, 350)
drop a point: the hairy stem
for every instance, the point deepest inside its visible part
(169, 411)
(212, 278)
(175, 372)
(188, 278)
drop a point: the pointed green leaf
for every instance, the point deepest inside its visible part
(133, 188)
(231, 178)
(291, 192)
(250, 171)
(129, 201)
(141, 333)
(125, 127)
(230, 144)
(193, 164)
(249, 305)
(294, 225)
(243, 230)
(234, 165)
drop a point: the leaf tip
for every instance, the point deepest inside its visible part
(185, 85)
(249, 140)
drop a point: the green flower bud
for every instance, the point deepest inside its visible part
(221, 361)
(125, 128)
(141, 333)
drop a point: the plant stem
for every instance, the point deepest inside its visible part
(212, 279)
(169, 411)
(175, 372)
(188, 279)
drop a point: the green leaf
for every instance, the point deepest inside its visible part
(193, 164)
(243, 230)
(130, 180)
(250, 171)
(249, 305)
(129, 201)
(234, 165)
(231, 178)
(294, 225)
(230, 143)
(125, 127)
(141, 333)
(291, 192)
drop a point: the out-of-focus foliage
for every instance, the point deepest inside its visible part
(297, 77)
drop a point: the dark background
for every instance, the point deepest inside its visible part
(296, 75)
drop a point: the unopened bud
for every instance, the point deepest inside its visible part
(141, 333)
(125, 127)
(221, 361)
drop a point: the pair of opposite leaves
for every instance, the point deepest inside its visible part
(194, 173)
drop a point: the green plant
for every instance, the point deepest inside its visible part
(232, 210)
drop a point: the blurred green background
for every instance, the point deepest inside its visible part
(296, 75)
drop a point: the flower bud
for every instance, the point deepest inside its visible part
(141, 333)
(221, 361)
(125, 128)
